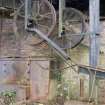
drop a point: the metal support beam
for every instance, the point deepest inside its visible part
(61, 7)
(61, 52)
(94, 27)
(28, 11)
(94, 38)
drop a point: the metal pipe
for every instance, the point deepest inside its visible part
(61, 8)
(26, 13)
(94, 28)
(60, 17)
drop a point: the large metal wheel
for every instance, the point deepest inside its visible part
(73, 25)
(44, 17)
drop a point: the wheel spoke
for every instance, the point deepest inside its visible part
(72, 28)
(46, 15)
(76, 30)
(69, 29)
(37, 7)
(74, 22)
(44, 26)
(40, 5)
(71, 41)
(21, 1)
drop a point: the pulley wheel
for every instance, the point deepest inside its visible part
(44, 19)
(72, 27)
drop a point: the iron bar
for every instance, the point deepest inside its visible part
(54, 45)
(26, 13)
(61, 8)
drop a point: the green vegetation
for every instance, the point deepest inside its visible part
(8, 97)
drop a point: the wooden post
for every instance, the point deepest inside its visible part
(81, 88)
(96, 92)
(94, 38)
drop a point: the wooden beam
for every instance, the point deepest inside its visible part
(81, 88)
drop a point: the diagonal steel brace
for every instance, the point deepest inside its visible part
(59, 51)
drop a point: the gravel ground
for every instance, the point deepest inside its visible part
(79, 103)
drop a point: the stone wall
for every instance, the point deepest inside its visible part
(23, 64)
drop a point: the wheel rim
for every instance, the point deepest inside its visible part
(74, 25)
(67, 40)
